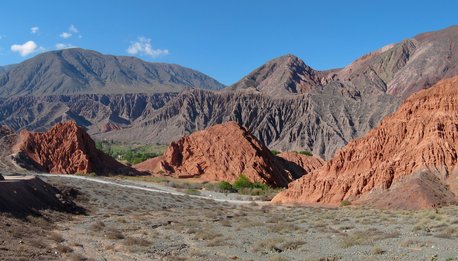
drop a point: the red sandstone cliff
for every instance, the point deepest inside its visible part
(408, 161)
(65, 148)
(223, 152)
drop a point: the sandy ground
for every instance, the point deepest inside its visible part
(124, 223)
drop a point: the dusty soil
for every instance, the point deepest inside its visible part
(129, 224)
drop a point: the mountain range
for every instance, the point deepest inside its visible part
(79, 71)
(286, 104)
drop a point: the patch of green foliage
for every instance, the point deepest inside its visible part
(244, 186)
(275, 152)
(305, 152)
(133, 154)
(225, 186)
(242, 182)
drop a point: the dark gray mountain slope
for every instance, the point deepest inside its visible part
(79, 71)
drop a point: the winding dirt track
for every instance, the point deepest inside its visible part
(153, 188)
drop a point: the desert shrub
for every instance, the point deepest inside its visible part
(192, 191)
(56, 237)
(275, 152)
(305, 152)
(259, 185)
(225, 187)
(114, 234)
(136, 241)
(63, 249)
(242, 182)
(344, 203)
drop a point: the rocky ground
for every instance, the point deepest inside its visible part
(129, 224)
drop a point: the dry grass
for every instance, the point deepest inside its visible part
(56, 237)
(269, 245)
(114, 234)
(63, 249)
(75, 257)
(367, 237)
(97, 226)
(377, 251)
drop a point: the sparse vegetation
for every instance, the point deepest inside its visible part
(225, 186)
(275, 152)
(192, 192)
(132, 154)
(305, 152)
(344, 203)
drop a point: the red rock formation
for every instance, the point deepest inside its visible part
(416, 145)
(109, 126)
(153, 165)
(65, 148)
(221, 152)
(300, 165)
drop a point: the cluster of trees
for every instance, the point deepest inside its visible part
(242, 184)
(303, 152)
(131, 155)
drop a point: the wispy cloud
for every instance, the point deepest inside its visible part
(25, 48)
(72, 30)
(65, 35)
(143, 47)
(35, 29)
(64, 46)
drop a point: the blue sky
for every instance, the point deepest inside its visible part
(224, 39)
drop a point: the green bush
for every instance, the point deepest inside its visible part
(259, 185)
(305, 152)
(225, 186)
(275, 152)
(242, 182)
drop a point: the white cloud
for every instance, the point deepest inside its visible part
(34, 30)
(64, 46)
(73, 29)
(143, 47)
(65, 35)
(25, 49)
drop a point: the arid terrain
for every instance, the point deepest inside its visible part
(108, 157)
(129, 224)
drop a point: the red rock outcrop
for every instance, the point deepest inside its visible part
(66, 149)
(109, 126)
(299, 164)
(416, 145)
(221, 152)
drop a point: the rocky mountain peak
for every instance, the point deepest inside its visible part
(281, 76)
